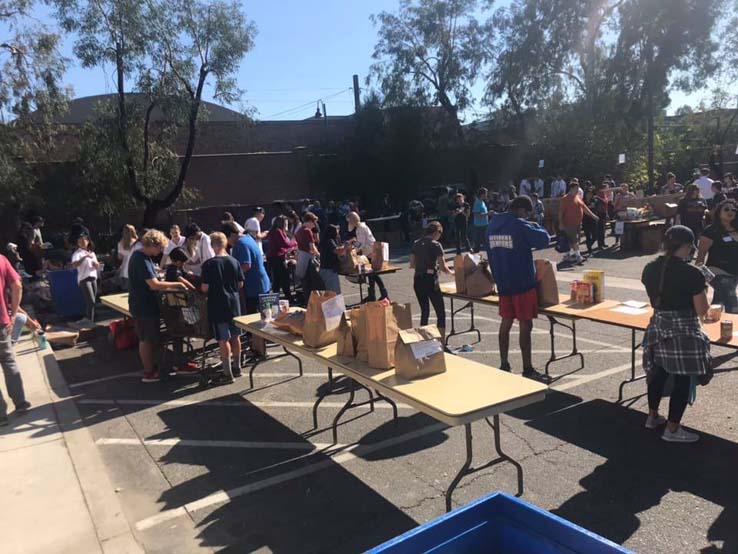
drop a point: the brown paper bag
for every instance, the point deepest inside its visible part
(380, 255)
(464, 266)
(359, 332)
(548, 289)
(322, 318)
(382, 331)
(292, 322)
(349, 261)
(480, 283)
(346, 343)
(419, 353)
(403, 315)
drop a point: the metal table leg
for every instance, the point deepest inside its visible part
(466, 469)
(472, 326)
(350, 404)
(266, 358)
(633, 377)
(574, 353)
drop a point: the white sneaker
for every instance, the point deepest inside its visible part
(654, 422)
(578, 258)
(680, 435)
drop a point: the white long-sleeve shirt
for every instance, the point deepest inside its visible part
(365, 238)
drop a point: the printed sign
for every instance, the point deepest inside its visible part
(271, 300)
(333, 309)
(425, 349)
(619, 227)
(541, 164)
(621, 159)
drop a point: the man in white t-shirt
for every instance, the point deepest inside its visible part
(253, 227)
(705, 184)
(526, 187)
(558, 187)
(202, 249)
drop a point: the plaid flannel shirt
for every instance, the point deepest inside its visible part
(674, 340)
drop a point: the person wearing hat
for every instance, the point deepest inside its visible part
(85, 262)
(674, 343)
(253, 227)
(198, 248)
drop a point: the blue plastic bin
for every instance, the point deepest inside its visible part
(65, 293)
(499, 524)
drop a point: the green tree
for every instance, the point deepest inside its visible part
(31, 70)
(429, 54)
(170, 51)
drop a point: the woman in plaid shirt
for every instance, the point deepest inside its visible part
(674, 343)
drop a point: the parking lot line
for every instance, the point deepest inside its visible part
(221, 403)
(140, 373)
(217, 444)
(352, 453)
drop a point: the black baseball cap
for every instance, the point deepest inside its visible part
(679, 234)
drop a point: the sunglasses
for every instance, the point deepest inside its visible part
(730, 210)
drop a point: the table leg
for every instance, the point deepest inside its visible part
(472, 327)
(389, 401)
(344, 408)
(574, 353)
(266, 358)
(466, 469)
(633, 378)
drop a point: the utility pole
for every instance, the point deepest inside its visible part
(357, 97)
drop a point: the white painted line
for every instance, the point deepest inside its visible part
(257, 373)
(512, 351)
(217, 444)
(584, 379)
(224, 403)
(354, 452)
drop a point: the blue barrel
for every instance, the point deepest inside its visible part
(65, 293)
(499, 524)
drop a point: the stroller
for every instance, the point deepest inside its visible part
(185, 317)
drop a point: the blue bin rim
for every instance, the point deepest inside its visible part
(505, 497)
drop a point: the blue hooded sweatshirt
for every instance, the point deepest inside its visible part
(510, 240)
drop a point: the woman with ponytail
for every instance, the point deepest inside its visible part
(674, 343)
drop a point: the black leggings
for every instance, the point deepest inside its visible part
(376, 281)
(679, 395)
(427, 291)
(280, 277)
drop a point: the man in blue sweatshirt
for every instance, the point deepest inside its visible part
(510, 240)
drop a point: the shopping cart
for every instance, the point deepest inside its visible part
(185, 317)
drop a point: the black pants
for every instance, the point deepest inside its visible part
(590, 231)
(462, 236)
(280, 277)
(376, 281)
(428, 292)
(679, 395)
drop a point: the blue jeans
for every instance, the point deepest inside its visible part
(724, 286)
(331, 280)
(20, 321)
(13, 380)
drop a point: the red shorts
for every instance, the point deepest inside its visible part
(523, 307)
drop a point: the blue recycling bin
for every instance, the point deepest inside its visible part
(65, 293)
(499, 524)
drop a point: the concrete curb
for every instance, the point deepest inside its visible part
(111, 525)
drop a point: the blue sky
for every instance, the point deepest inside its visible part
(305, 50)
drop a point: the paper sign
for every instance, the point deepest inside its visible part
(619, 227)
(635, 304)
(271, 300)
(385, 251)
(621, 159)
(425, 349)
(629, 311)
(736, 150)
(541, 164)
(333, 309)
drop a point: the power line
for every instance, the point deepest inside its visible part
(303, 106)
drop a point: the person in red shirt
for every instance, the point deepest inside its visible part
(278, 246)
(307, 248)
(10, 280)
(571, 213)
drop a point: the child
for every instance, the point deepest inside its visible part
(222, 281)
(85, 261)
(175, 270)
(537, 208)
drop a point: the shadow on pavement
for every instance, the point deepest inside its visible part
(640, 470)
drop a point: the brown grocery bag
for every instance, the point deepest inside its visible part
(464, 266)
(382, 331)
(322, 318)
(346, 343)
(480, 283)
(403, 315)
(548, 289)
(359, 332)
(349, 261)
(380, 255)
(292, 322)
(419, 353)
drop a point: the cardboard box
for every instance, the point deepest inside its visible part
(597, 278)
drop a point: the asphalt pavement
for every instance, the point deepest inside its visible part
(234, 469)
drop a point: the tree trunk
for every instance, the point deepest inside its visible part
(651, 141)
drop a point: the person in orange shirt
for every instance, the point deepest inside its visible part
(571, 213)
